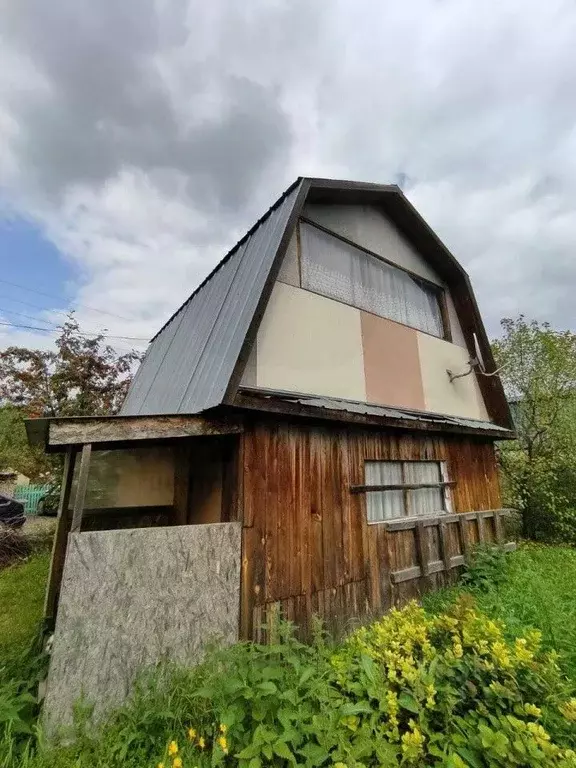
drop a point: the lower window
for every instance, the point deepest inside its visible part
(404, 497)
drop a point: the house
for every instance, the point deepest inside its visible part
(317, 392)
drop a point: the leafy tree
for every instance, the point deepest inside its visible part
(16, 453)
(82, 377)
(539, 377)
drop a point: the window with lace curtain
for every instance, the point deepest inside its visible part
(339, 270)
(405, 489)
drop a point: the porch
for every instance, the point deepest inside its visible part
(138, 472)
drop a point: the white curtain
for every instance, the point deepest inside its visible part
(384, 505)
(343, 272)
(388, 505)
(424, 501)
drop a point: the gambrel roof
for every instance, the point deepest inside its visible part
(195, 362)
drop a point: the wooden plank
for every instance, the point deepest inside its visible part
(457, 560)
(481, 529)
(60, 539)
(510, 546)
(81, 487)
(122, 428)
(407, 574)
(464, 542)
(498, 527)
(421, 548)
(399, 487)
(436, 566)
(444, 546)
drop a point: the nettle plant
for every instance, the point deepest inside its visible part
(408, 690)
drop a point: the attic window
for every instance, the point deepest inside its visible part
(339, 270)
(396, 489)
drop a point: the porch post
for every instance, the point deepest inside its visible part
(81, 487)
(60, 536)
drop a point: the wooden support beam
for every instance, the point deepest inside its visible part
(119, 429)
(60, 538)
(81, 487)
(421, 548)
(481, 529)
(443, 543)
(463, 528)
(498, 527)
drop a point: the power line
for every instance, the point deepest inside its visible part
(28, 317)
(80, 333)
(59, 298)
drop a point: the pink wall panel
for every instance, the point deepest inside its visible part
(391, 363)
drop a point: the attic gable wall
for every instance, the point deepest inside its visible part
(312, 344)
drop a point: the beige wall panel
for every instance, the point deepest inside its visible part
(290, 269)
(455, 327)
(461, 397)
(391, 363)
(310, 344)
(369, 228)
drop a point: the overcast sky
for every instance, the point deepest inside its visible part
(140, 139)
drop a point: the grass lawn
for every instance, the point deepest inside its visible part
(22, 589)
(539, 590)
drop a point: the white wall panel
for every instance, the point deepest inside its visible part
(310, 344)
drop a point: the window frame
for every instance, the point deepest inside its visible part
(445, 485)
(438, 290)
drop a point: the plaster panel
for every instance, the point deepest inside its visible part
(391, 363)
(462, 397)
(131, 598)
(310, 344)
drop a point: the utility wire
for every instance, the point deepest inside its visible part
(59, 298)
(28, 317)
(80, 333)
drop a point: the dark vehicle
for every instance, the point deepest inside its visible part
(11, 512)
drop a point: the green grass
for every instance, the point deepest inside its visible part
(538, 591)
(22, 589)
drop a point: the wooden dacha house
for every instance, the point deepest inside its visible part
(326, 390)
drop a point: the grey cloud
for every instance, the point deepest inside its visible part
(220, 104)
(108, 107)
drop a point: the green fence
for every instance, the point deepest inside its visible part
(30, 495)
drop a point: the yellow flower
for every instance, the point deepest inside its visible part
(412, 742)
(569, 710)
(160, 765)
(223, 744)
(458, 650)
(223, 728)
(191, 733)
(201, 742)
(177, 762)
(172, 748)
(532, 709)
(340, 765)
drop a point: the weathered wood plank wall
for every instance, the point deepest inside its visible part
(307, 546)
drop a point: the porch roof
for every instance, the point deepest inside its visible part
(57, 433)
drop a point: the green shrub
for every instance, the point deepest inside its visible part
(486, 567)
(451, 690)
(408, 690)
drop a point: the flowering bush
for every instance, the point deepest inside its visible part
(408, 690)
